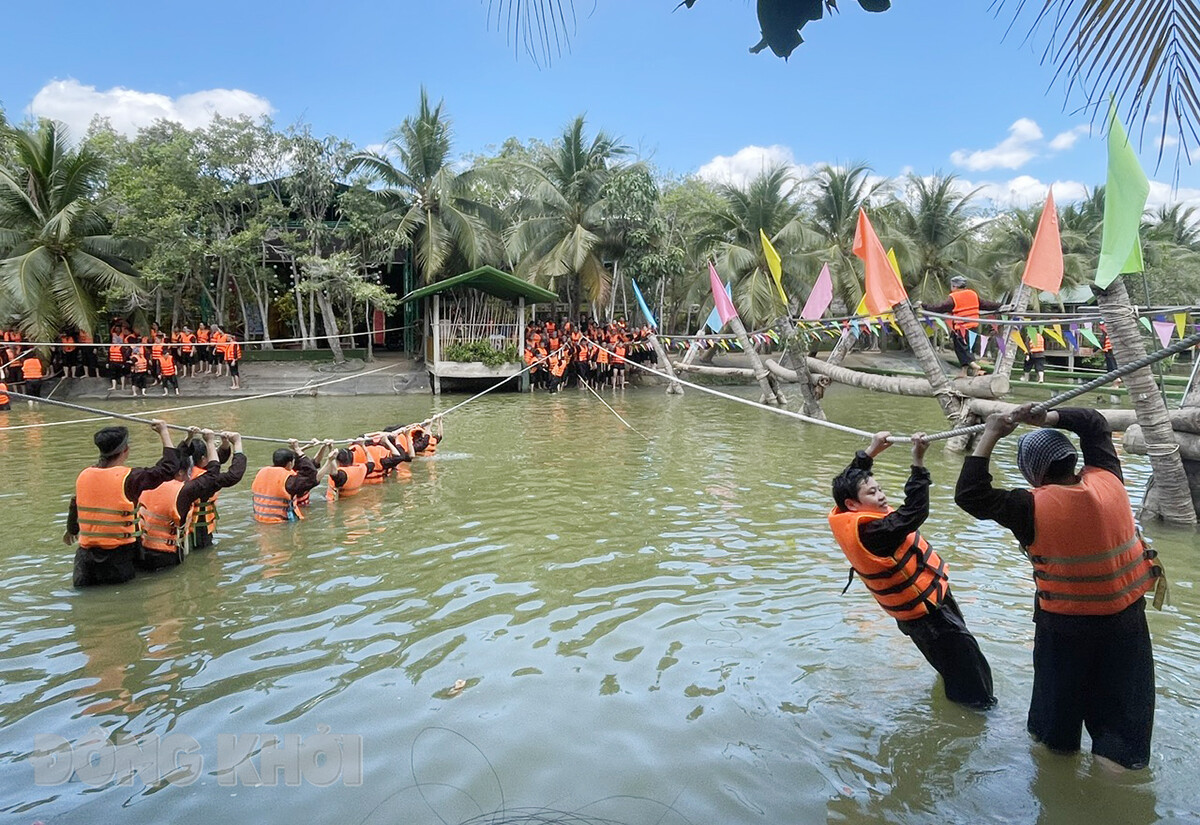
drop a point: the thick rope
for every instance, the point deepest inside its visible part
(614, 412)
(105, 414)
(177, 344)
(1108, 377)
(777, 410)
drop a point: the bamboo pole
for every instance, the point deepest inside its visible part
(1009, 356)
(1169, 497)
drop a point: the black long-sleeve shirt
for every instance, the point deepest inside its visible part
(305, 478)
(883, 535)
(1013, 509)
(139, 480)
(948, 307)
(203, 486)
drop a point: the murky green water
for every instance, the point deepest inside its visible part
(649, 632)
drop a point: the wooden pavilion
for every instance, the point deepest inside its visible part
(483, 306)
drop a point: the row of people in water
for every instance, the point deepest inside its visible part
(561, 353)
(149, 518)
(130, 360)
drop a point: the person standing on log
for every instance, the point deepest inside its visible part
(964, 303)
(1092, 659)
(904, 574)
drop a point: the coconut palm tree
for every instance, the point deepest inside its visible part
(839, 192)
(59, 256)
(559, 231)
(934, 229)
(768, 203)
(429, 207)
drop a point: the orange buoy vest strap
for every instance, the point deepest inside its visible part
(106, 514)
(966, 305)
(1088, 557)
(908, 584)
(356, 475)
(271, 500)
(378, 453)
(204, 513)
(160, 521)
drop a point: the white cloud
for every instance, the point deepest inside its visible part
(1065, 141)
(748, 163)
(1163, 194)
(1011, 153)
(128, 110)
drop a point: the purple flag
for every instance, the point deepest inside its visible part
(820, 298)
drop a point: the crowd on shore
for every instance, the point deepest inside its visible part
(127, 519)
(130, 360)
(587, 353)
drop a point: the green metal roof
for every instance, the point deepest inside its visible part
(490, 280)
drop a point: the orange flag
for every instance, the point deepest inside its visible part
(883, 289)
(1044, 269)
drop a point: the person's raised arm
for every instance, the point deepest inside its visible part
(975, 494)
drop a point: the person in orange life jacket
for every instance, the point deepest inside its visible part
(387, 451)
(203, 518)
(324, 458)
(5, 401)
(347, 479)
(290, 476)
(166, 513)
(1092, 658)
(425, 442)
(168, 371)
(33, 372)
(102, 513)
(118, 360)
(964, 303)
(1110, 360)
(904, 574)
(139, 366)
(1035, 359)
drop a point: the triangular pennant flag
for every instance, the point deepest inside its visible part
(1164, 329)
(1181, 323)
(1044, 269)
(722, 301)
(821, 296)
(714, 321)
(1144, 321)
(1055, 332)
(1001, 344)
(774, 264)
(1090, 337)
(971, 336)
(1124, 201)
(983, 342)
(883, 289)
(1071, 340)
(1019, 340)
(942, 325)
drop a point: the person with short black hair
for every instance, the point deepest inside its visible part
(1093, 665)
(905, 575)
(291, 475)
(102, 513)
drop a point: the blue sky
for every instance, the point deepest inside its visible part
(929, 86)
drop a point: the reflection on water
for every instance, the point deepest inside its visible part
(555, 615)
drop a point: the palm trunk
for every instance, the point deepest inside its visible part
(930, 363)
(299, 300)
(1168, 497)
(1007, 358)
(664, 364)
(771, 393)
(795, 357)
(842, 348)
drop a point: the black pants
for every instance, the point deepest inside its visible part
(33, 386)
(1095, 672)
(96, 566)
(962, 349)
(947, 644)
(151, 560)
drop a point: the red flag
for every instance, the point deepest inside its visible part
(883, 290)
(1044, 270)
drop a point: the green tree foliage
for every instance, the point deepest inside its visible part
(61, 260)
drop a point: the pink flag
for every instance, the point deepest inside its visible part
(723, 305)
(1165, 330)
(983, 343)
(820, 298)
(1044, 269)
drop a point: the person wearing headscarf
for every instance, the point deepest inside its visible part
(1092, 658)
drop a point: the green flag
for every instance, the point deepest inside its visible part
(1124, 201)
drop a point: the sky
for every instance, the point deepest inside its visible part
(929, 87)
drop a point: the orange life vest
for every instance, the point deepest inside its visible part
(204, 513)
(1088, 558)
(601, 355)
(233, 350)
(156, 351)
(1037, 344)
(377, 452)
(272, 502)
(620, 351)
(4, 399)
(529, 356)
(1107, 346)
(116, 354)
(404, 441)
(202, 336)
(159, 519)
(359, 454)
(908, 584)
(166, 364)
(188, 340)
(106, 514)
(356, 475)
(31, 368)
(140, 364)
(966, 305)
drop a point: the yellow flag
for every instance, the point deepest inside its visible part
(1181, 323)
(1019, 340)
(774, 263)
(895, 264)
(1055, 332)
